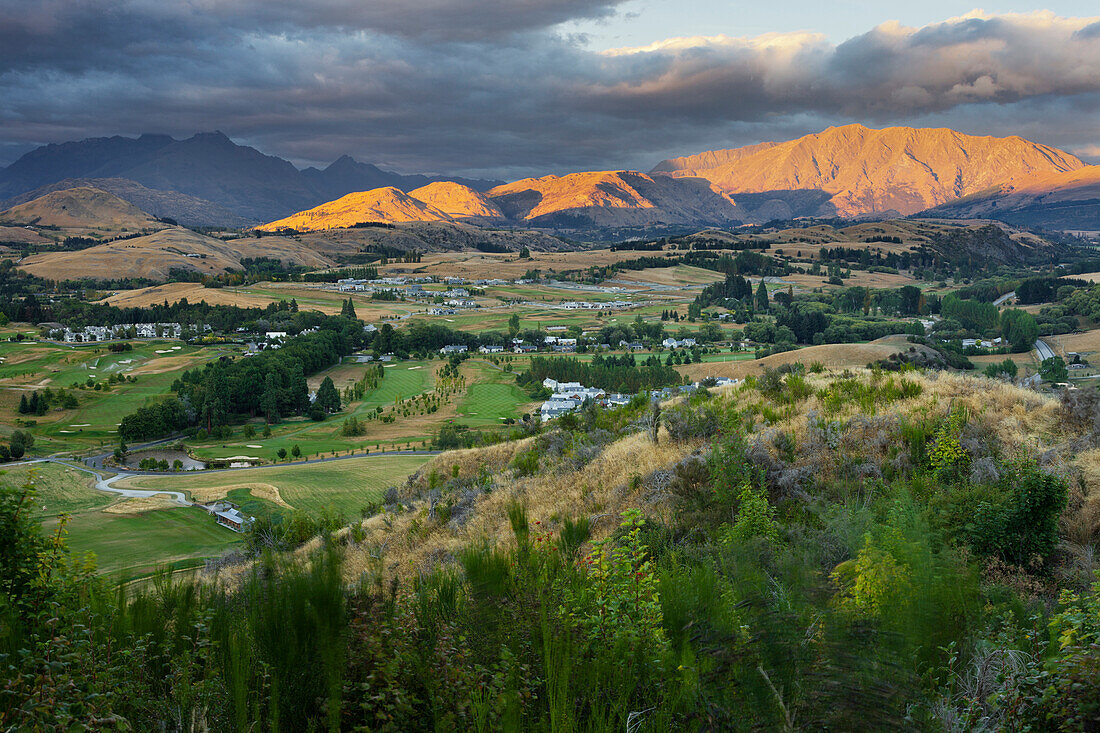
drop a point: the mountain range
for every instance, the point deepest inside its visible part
(849, 172)
(215, 175)
(858, 171)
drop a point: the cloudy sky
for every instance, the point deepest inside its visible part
(508, 88)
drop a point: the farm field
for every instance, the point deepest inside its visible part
(680, 276)
(346, 485)
(833, 356)
(475, 265)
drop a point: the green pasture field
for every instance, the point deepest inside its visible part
(137, 544)
(346, 485)
(402, 380)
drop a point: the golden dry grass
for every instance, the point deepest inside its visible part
(833, 356)
(602, 489)
(142, 504)
(672, 276)
(206, 494)
(1083, 343)
(859, 277)
(1015, 420)
(193, 292)
(506, 266)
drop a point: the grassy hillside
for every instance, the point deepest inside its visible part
(851, 550)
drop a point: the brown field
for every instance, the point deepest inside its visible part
(833, 356)
(1083, 343)
(205, 494)
(175, 292)
(166, 364)
(140, 505)
(478, 265)
(22, 234)
(680, 275)
(155, 255)
(859, 277)
(1025, 362)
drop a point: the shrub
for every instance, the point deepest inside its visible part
(619, 603)
(755, 518)
(686, 422)
(526, 462)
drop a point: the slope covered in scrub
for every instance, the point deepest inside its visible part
(804, 551)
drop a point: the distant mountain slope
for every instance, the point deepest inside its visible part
(345, 175)
(458, 201)
(185, 209)
(865, 171)
(82, 208)
(387, 205)
(1062, 201)
(611, 198)
(208, 166)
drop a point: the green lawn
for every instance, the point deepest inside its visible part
(137, 544)
(94, 421)
(493, 397)
(346, 485)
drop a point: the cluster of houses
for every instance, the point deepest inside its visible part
(58, 332)
(671, 343)
(584, 305)
(568, 396)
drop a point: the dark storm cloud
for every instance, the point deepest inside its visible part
(86, 33)
(490, 87)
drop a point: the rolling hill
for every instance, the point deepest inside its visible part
(251, 185)
(575, 201)
(83, 208)
(855, 170)
(386, 205)
(155, 255)
(1068, 200)
(180, 207)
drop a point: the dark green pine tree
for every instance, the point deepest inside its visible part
(328, 399)
(23, 407)
(762, 297)
(269, 402)
(32, 404)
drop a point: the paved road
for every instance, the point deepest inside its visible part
(1044, 351)
(104, 483)
(1004, 298)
